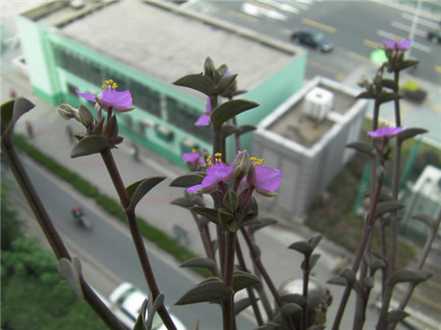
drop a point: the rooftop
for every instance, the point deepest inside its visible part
(290, 122)
(168, 41)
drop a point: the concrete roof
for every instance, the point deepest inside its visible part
(168, 44)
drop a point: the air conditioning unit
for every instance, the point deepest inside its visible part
(318, 102)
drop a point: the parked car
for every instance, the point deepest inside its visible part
(126, 302)
(313, 39)
(413, 92)
(434, 36)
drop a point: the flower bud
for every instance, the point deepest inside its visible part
(67, 111)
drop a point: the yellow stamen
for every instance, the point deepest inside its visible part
(109, 83)
(256, 161)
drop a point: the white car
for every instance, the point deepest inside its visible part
(126, 302)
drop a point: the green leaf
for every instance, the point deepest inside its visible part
(365, 95)
(208, 213)
(197, 82)
(229, 110)
(182, 202)
(314, 241)
(209, 68)
(389, 83)
(261, 223)
(362, 147)
(230, 201)
(242, 304)
(242, 280)
(387, 207)
(151, 311)
(187, 180)
(226, 218)
(409, 133)
(408, 276)
(90, 145)
(313, 260)
(396, 316)
(302, 247)
(290, 309)
(199, 262)
(406, 64)
(212, 290)
(228, 130)
(86, 117)
(139, 189)
(140, 321)
(225, 83)
(11, 111)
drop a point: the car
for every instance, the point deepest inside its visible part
(313, 39)
(434, 36)
(126, 302)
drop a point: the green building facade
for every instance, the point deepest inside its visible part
(165, 114)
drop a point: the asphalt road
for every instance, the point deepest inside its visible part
(110, 245)
(355, 27)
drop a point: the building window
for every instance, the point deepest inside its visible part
(145, 98)
(184, 117)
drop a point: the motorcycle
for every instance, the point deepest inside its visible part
(79, 218)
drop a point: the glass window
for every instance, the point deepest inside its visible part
(145, 98)
(184, 117)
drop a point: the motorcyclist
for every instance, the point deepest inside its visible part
(77, 213)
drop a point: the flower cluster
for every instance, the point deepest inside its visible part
(244, 173)
(400, 45)
(385, 133)
(110, 98)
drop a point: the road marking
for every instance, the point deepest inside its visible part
(422, 21)
(415, 44)
(281, 6)
(437, 68)
(407, 28)
(244, 15)
(318, 25)
(372, 44)
(356, 55)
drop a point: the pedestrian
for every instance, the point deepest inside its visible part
(12, 93)
(29, 129)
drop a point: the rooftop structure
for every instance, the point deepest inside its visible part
(306, 137)
(146, 45)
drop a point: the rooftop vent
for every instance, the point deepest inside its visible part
(318, 102)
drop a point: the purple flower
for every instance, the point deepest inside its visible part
(193, 158)
(268, 179)
(385, 132)
(216, 174)
(403, 44)
(205, 118)
(120, 101)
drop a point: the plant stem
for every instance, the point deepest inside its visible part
(361, 250)
(250, 291)
(136, 235)
(424, 255)
(305, 291)
(52, 235)
(255, 257)
(228, 310)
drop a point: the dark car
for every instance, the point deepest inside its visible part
(313, 39)
(434, 36)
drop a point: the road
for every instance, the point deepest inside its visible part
(355, 27)
(110, 245)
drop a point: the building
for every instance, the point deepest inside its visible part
(425, 198)
(145, 45)
(306, 138)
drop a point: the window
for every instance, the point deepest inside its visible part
(145, 98)
(184, 117)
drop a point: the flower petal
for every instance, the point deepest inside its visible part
(87, 96)
(389, 44)
(192, 158)
(268, 179)
(121, 101)
(404, 44)
(384, 132)
(203, 120)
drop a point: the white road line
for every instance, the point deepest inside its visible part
(407, 28)
(415, 44)
(422, 21)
